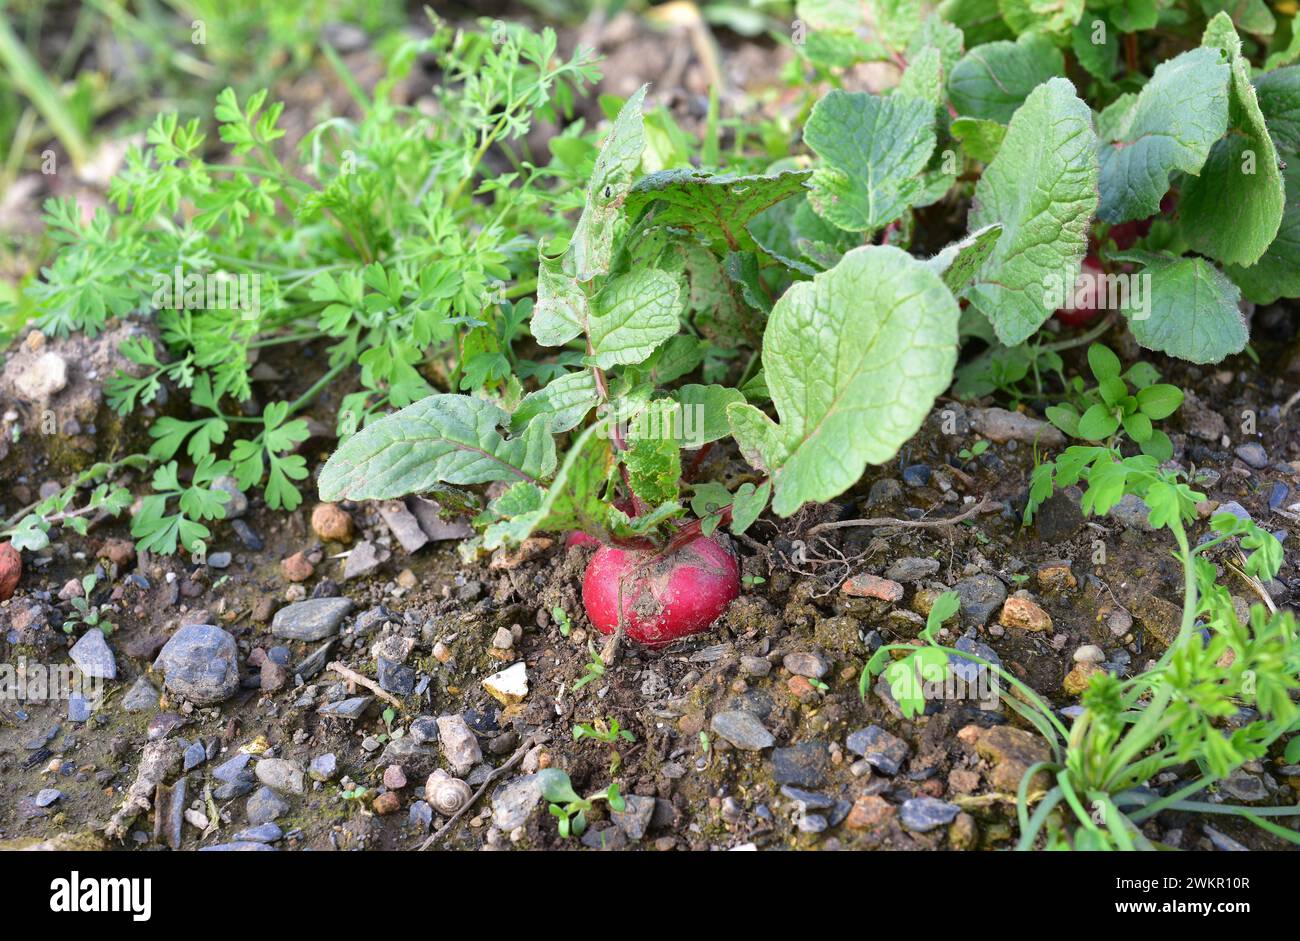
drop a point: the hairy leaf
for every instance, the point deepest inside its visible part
(993, 80)
(1170, 127)
(853, 361)
(1042, 187)
(441, 438)
(873, 151)
(1233, 210)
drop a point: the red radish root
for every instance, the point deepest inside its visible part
(663, 597)
(11, 570)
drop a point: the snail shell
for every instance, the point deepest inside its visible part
(447, 795)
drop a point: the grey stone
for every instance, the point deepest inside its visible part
(421, 816)
(1253, 453)
(512, 803)
(233, 768)
(247, 846)
(423, 729)
(351, 709)
(395, 678)
(803, 765)
(93, 656)
(911, 569)
(311, 620)
(634, 820)
(916, 475)
(241, 785)
(281, 775)
(418, 759)
(742, 729)
(324, 767)
(1223, 842)
(194, 756)
(219, 560)
(755, 666)
(403, 525)
(47, 796)
(881, 750)
(1133, 512)
(78, 709)
(1000, 426)
(606, 838)
(265, 806)
(237, 505)
(200, 663)
(459, 745)
(362, 560)
(925, 813)
(266, 833)
(806, 663)
(1235, 508)
(811, 800)
(980, 595)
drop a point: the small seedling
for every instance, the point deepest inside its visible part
(750, 581)
(567, 807)
(974, 451)
(602, 731)
(84, 612)
(562, 619)
(594, 669)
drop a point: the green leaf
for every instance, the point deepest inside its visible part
(564, 401)
(1097, 423)
(556, 787)
(1277, 273)
(572, 501)
(715, 208)
(873, 151)
(1159, 401)
(1041, 16)
(853, 361)
(979, 137)
(439, 439)
(923, 78)
(959, 262)
(1169, 128)
(592, 245)
(1064, 417)
(979, 20)
(1103, 362)
(748, 505)
(1158, 446)
(1194, 312)
(1042, 187)
(654, 463)
(1138, 427)
(943, 36)
(1233, 210)
(561, 311)
(632, 315)
(703, 414)
(1097, 57)
(993, 80)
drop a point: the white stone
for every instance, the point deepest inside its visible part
(47, 376)
(510, 685)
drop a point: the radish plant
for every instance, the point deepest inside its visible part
(647, 257)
